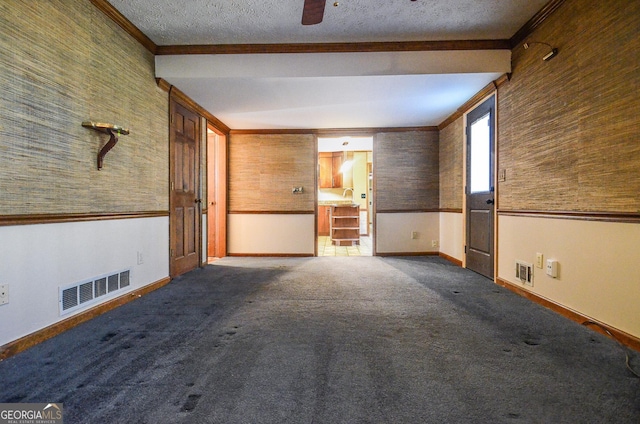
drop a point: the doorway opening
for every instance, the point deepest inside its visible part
(345, 196)
(216, 208)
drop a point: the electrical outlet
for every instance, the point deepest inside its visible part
(4, 294)
(539, 260)
(140, 258)
(434, 243)
(414, 235)
(552, 268)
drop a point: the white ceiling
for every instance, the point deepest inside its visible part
(345, 144)
(330, 90)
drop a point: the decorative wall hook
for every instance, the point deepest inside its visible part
(110, 129)
(553, 53)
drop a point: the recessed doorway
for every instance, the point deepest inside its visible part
(216, 205)
(345, 196)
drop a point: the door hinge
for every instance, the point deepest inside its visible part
(465, 249)
(171, 253)
(171, 185)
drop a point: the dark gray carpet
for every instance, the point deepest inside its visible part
(329, 340)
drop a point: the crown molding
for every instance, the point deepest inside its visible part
(535, 22)
(114, 14)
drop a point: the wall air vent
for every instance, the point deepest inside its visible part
(90, 291)
(524, 273)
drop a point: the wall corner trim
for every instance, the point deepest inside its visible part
(451, 259)
(30, 340)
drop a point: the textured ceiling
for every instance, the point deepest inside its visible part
(169, 22)
(342, 90)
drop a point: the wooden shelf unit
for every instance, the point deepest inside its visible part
(345, 225)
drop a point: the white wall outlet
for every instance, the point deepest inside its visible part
(539, 260)
(140, 258)
(4, 294)
(552, 268)
(434, 243)
(414, 235)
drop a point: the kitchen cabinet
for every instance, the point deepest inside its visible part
(323, 220)
(330, 163)
(345, 225)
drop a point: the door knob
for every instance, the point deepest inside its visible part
(490, 201)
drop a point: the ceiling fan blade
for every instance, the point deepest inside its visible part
(313, 11)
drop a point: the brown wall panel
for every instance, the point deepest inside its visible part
(568, 127)
(451, 165)
(406, 170)
(57, 72)
(264, 168)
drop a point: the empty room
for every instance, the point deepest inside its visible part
(305, 211)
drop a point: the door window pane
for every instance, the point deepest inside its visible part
(480, 155)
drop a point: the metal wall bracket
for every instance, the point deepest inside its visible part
(110, 129)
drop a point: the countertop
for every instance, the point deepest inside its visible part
(346, 202)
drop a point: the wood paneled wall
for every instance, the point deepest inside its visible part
(406, 171)
(451, 165)
(263, 169)
(568, 128)
(62, 63)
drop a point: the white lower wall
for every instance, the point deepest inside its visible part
(393, 232)
(452, 234)
(598, 272)
(279, 234)
(35, 260)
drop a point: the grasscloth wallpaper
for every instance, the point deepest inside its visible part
(61, 63)
(406, 171)
(451, 165)
(568, 128)
(263, 169)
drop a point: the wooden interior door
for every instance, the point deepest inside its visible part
(212, 205)
(480, 196)
(184, 200)
(216, 193)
